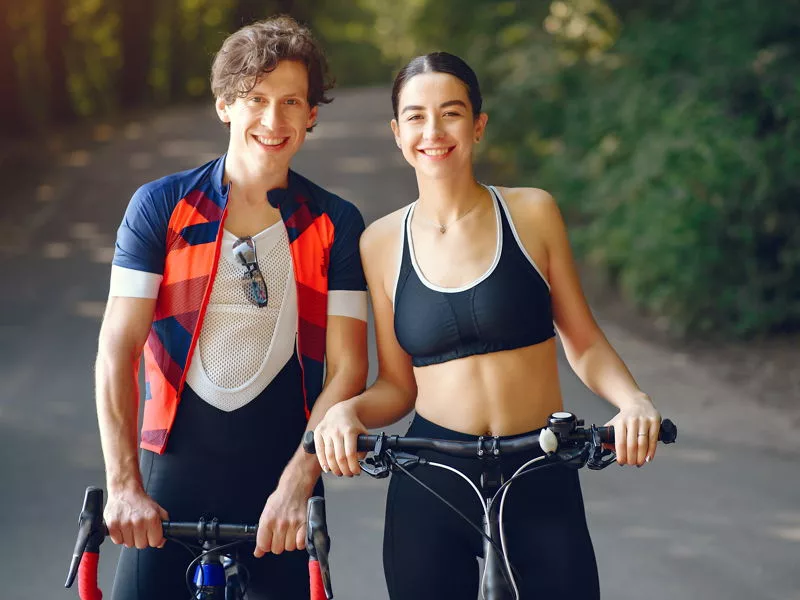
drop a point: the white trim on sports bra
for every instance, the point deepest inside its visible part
(463, 288)
(516, 235)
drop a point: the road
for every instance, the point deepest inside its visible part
(707, 520)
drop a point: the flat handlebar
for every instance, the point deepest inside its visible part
(570, 434)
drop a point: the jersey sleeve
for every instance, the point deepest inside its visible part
(140, 249)
(347, 285)
(141, 237)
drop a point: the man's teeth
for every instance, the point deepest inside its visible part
(436, 151)
(271, 141)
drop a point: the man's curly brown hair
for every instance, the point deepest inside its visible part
(257, 49)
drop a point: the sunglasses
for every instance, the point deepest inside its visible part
(253, 283)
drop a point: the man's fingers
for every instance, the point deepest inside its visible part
(300, 539)
(263, 541)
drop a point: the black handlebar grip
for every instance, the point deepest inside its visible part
(308, 442)
(666, 435)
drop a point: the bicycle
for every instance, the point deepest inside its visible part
(217, 576)
(565, 440)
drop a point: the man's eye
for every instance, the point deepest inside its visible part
(256, 100)
(452, 114)
(293, 101)
(414, 117)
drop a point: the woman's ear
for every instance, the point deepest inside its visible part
(480, 126)
(396, 132)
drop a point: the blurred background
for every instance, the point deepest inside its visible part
(669, 133)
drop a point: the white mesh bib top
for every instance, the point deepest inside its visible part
(242, 347)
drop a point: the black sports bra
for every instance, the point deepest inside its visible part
(507, 307)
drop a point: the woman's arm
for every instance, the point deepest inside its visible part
(589, 353)
(394, 392)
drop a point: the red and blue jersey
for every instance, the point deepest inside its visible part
(171, 234)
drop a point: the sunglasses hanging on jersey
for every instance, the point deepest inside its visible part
(253, 283)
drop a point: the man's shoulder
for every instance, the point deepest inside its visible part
(171, 189)
(327, 201)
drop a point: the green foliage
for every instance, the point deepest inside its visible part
(669, 132)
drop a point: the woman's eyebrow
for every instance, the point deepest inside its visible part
(442, 105)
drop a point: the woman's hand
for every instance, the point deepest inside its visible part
(335, 440)
(636, 429)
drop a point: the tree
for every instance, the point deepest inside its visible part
(56, 41)
(14, 118)
(247, 11)
(137, 26)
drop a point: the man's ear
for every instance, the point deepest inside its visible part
(222, 110)
(312, 117)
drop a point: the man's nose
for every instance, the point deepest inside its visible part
(271, 117)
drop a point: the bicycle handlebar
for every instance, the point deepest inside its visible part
(92, 531)
(570, 432)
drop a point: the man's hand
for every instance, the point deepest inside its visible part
(282, 525)
(134, 519)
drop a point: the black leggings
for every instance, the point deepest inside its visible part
(224, 465)
(429, 552)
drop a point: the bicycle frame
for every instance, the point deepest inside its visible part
(580, 447)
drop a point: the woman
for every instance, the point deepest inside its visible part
(468, 285)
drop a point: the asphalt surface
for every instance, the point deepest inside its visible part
(707, 520)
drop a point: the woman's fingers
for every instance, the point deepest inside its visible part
(621, 442)
(350, 450)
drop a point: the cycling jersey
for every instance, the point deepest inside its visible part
(172, 232)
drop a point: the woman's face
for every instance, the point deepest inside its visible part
(435, 127)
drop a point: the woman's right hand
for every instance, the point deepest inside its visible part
(335, 440)
(134, 519)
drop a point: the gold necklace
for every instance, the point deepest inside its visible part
(443, 228)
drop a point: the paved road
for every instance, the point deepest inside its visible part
(705, 521)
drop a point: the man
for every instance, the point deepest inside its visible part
(238, 280)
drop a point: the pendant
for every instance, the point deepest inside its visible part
(442, 228)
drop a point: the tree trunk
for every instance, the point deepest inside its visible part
(177, 48)
(137, 29)
(15, 120)
(56, 41)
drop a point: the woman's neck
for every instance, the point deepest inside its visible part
(444, 200)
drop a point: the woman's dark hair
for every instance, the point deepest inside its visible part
(439, 62)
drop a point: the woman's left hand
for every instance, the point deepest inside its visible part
(636, 429)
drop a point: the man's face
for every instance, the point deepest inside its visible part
(269, 124)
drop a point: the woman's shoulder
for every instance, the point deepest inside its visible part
(527, 198)
(385, 230)
(533, 205)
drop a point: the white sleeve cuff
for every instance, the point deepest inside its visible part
(130, 283)
(347, 303)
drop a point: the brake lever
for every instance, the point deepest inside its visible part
(379, 466)
(598, 457)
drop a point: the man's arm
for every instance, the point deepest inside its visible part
(282, 523)
(132, 517)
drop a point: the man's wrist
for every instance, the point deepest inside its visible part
(302, 471)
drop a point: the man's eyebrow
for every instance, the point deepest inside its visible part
(442, 105)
